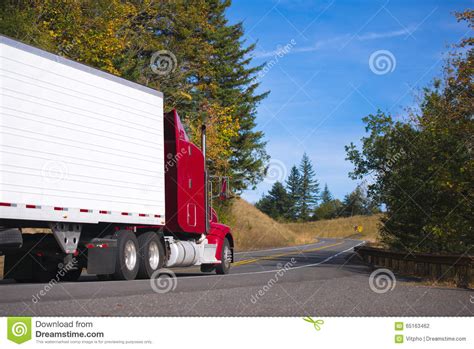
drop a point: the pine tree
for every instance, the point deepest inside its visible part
(355, 204)
(328, 208)
(326, 195)
(309, 189)
(275, 203)
(293, 187)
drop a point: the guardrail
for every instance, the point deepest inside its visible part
(434, 267)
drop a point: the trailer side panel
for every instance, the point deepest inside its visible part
(77, 144)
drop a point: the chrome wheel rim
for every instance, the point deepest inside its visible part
(130, 255)
(153, 255)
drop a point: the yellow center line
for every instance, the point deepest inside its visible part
(249, 261)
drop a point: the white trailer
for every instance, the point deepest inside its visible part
(77, 144)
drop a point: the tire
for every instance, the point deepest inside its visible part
(72, 275)
(224, 266)
(45, 273)
(104, 277)
(127, 261)
(69, 272)
(54, 272)
(207, 268)
(151, 254)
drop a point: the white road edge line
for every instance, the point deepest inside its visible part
(302, 266)
(276, 270)
(280, 248)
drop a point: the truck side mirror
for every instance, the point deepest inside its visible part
(223, 195)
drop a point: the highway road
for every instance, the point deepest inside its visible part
(321, 279)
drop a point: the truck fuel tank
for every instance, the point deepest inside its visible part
(188, 253)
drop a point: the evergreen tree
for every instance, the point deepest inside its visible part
(328, 210)
(309, 188)
(355, 203)
(293, 188)
(275, 203)
(326, 195)
(235, 87)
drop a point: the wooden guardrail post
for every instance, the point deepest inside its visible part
(463, 275)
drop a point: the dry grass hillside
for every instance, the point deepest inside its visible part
(340, 227)
(254, 230)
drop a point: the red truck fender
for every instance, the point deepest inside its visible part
(219, 232)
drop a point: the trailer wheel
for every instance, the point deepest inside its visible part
(226, 258)
(45, 271)
(127, 261)
(72, 275)
(152, 254)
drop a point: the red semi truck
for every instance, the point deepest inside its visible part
(115, 183)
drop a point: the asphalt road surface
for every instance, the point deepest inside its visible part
(321, 279)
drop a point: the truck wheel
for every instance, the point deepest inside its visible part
(226, 259)
(104, 277)
(207, 268)
(126, 267)
(72, 275)
(152, 254)
(45, 272)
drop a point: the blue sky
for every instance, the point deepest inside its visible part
(322, 78)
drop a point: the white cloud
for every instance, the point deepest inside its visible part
(339, 40)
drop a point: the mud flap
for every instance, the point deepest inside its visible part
(101, 255)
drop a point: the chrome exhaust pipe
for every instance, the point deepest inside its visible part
(206, 177)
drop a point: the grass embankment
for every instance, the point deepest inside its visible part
(340, 228)
(254, 230)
